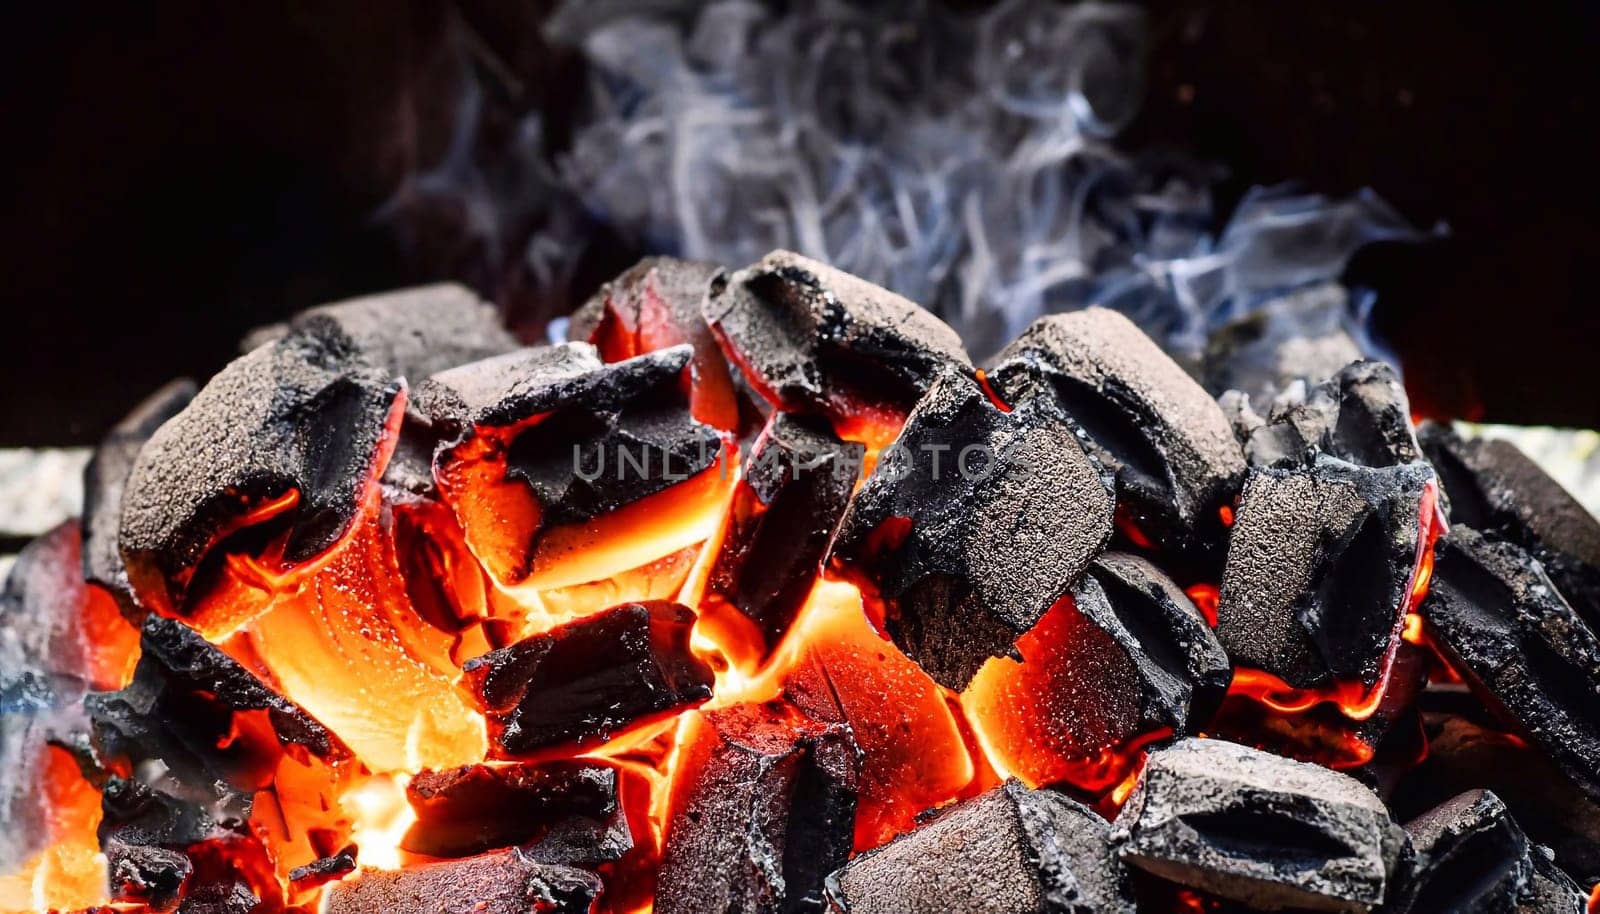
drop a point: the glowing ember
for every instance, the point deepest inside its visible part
(381, 814)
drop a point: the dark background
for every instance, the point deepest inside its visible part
(179, 175)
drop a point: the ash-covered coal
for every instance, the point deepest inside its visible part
(564, 811)
(1470, 856)
(1010, 851)
(1360, 415)
(504, 882)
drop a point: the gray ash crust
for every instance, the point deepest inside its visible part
(1319, 563)
(679, 285)
(1259, 829)
(1469, 856)
(564, 811)
(1168, 442)
(1306, 335)
(1521, 646)
(305, 412)
(103, 482)
(1009, 851)
(1184, 671)
(1495, 488)
(987, 552)
(503, 882)
(1550, 890)
(1361, 415)
(807, 331)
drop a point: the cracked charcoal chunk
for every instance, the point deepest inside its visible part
(1318, 567)
(104, 480)
(1256, 828)
(811, 338)
(304, 414)
(784, 512)
(763, 806)
(147, 875)
(1520, 646)
(324, 870)
(1494, 488)
(1550, 891)
(1471, 858)
(584, 682)
(1360, 415)
(1168, 442)
(504, 882)
(1009, 851)
(969, 552)
(1306, 335)
(563, 812)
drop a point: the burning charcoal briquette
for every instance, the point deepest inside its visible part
(560, 812)
(1521, 647)
(1010, 851)
(584, 682)
(762, 810)
(815, 339)
(1360, 415)
(302, 418)
(975, 521)
(791, 498)
(1470, 858)
(1550, 891)
(324, 870)
(1169, 444)
(1494, 488)
(504, 882)
(1306, 335)
(103, 482)
(1251, 826)
(1319, 567)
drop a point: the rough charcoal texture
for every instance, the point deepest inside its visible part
(807, 334)
(1494, 488)
(973, 524)
(1471, 858)
(1360, 415)
(763, 808)
(303, 413)
(1319, 564)
(1183, 669)
(584, 682)
(794, 492)
(1523, 648)
(324, 870)
(1305, 335)
(1169, 444)
(1010, 851)
(561, 812)
(1550, 891)
(504, 882)
(1256, 828)
(103, 482)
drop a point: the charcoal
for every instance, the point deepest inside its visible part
(148, 875)
(584, 682)
(1471, 858)
(785, 510)
(1360, 415)
(1009, 851)
(1169, 444)
(561, 812)
(304, 414)
(1550, 891)
(504, 882)
(973, 524)
(324, 870)
(144, 832)
(1306, 335)
(1256, 828)
(815, 339)
(762, 810)
(1494, 488)
(233, 897)
(103, 482)
(1522, 648)
(1319, 566)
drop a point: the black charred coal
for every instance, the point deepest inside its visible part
(151, 876)
(1010, 851)
(1169, 444)
(1494, 488)
(324, 870)
(975, 521)
(305, 413)
(794, 491)
(233, 897)
(1470, 857)
(162, 851)
(1360, 415)
(1319, 566)
(104, 479)
(1550, 891)
(1263, 830)
(1306, 335)
(584, 682)
(504, 882)
(561, 812)
(763, 809)
(809, 336)
(1522, 648)
(1183, 669)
